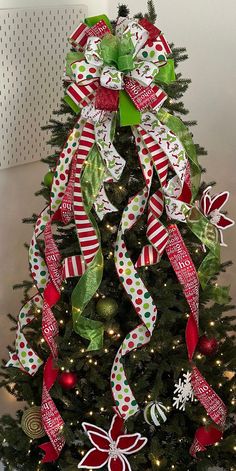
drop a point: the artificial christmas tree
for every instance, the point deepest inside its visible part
(119, 256)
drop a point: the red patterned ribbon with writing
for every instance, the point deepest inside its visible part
(187, 275)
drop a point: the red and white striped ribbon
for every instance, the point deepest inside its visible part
(79, 36)
(82, 95)
(73, 266)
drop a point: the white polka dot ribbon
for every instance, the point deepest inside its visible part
(24, 356)
(138, 293)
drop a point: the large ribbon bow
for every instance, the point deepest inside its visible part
(117, 71)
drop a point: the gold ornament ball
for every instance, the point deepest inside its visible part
(107, 308)
(31, 423)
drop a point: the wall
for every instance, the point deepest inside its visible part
(210, 38)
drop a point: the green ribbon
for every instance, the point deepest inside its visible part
(208, 234)
(197, 222)
(166, 73)
(129, 114)
(93, 20)
(117, 52)
(220, 294)
(90, 281)
(179, 128)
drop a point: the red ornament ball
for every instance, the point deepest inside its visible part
(207, 346)
(67, 380)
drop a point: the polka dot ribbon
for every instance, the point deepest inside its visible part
(61, 210)
(163, 148)
(24, 357)
(138, 293)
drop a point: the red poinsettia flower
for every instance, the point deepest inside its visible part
(211, 206)
(111, 448)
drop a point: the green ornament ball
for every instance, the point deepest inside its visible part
(48, 178)
(107, 308)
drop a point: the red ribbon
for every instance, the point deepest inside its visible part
(51, 419)
(187, 275)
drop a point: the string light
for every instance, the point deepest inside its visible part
(212, 323)
(157, 462)
(82, 350)
(71, 360)
(32, 403)
(42, 340)
(61, 321)
(218, 362)
(204, 419)
(62, 368)
(91, 412)
(199, 357)
(111, 332)
(102, 409)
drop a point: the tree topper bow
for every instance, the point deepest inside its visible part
(114, 66)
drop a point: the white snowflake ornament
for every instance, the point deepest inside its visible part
(184, 391)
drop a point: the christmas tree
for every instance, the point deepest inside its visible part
(108, 336)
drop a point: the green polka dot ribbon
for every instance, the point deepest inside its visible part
(24, 356)
(138, 294)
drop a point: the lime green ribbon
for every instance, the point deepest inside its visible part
(220, 294)
(93, 20)
(197, 222)
(208, 234)
(166, 73)
(117, 52)
(89, 282)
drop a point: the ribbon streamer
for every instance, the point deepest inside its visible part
(139, 296)
(186, 273)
